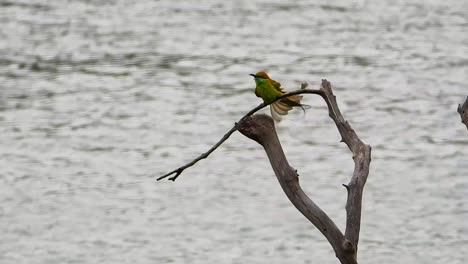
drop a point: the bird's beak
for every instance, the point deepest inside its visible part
(253, 75)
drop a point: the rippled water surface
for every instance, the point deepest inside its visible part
(98, 98)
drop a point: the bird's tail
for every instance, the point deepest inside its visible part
(283, 106)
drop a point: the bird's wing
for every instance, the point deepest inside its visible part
(277, 85)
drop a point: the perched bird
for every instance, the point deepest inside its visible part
(269, 90)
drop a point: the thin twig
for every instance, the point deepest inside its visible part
(179, 170)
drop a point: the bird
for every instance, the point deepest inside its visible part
(269, 90)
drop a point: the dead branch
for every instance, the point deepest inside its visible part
(463, 111)
(179, 170)
(261, 129)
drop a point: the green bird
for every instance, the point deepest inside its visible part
(269, 90)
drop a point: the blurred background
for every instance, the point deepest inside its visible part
(99, 98)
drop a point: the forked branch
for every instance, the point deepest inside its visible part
(261, 129)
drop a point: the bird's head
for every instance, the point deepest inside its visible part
(260, 77)
(260, 74)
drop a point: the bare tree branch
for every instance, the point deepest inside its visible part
(179, 170)
(261, 129)
(362, 158)
(463, 111)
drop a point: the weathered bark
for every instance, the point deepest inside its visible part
(463, 111)
(261, 129)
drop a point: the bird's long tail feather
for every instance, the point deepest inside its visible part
(283, 106)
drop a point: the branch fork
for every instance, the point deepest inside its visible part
(261, 129)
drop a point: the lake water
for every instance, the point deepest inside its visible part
(99, 98)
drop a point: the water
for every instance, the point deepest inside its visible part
(98, 98)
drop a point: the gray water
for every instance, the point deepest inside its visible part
(98, 98)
